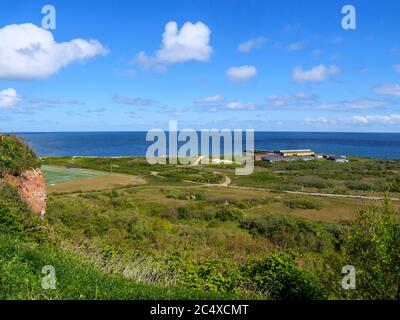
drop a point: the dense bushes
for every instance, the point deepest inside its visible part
(302, 203)
(290, 232)
(230, 213)
(276, 276)
(279, 276)
(15, 156)
(359, 185)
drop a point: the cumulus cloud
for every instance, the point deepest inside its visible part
(251, 44)
(388, 90)
(318, 73)
(9, 98)
(210, 99)
(141, 102)
(191, 42)
(240, 106)
(29, 52)
(242, 73)
(298, 45)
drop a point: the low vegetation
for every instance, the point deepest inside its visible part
(175, 238)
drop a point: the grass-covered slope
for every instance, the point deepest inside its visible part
(27, 244)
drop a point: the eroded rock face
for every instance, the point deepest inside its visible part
(32, 189)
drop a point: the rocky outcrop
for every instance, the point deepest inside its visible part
(32, 189)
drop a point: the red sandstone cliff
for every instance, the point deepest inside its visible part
(32, 189)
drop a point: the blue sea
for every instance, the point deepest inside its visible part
(375, 145)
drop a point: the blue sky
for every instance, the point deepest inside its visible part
(266, 65)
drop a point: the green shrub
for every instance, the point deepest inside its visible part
(16, 156)
(278, 276)
(359, 185)
(230, 213)
(302, 203)
(290, 232)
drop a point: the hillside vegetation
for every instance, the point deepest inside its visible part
(28, 243)
(16, 156)
(176, 238)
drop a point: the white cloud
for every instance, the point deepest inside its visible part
(250, 44)
(298, 45)
(311, 101)
(359, 120)
(147, 62)
(210, 100)
(191, 42)
(396, 68)
(362, 104)
(388, 90)
(377, 119)
(319, 73)
(240, 106)
(9, 98)
(242, 73)
(30, 52)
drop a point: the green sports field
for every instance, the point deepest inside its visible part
(54, 175)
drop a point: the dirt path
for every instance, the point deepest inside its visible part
(227, 184)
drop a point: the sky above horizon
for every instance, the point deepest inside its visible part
(263, 65)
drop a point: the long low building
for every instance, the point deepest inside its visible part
(273, 157)
(296, 153)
